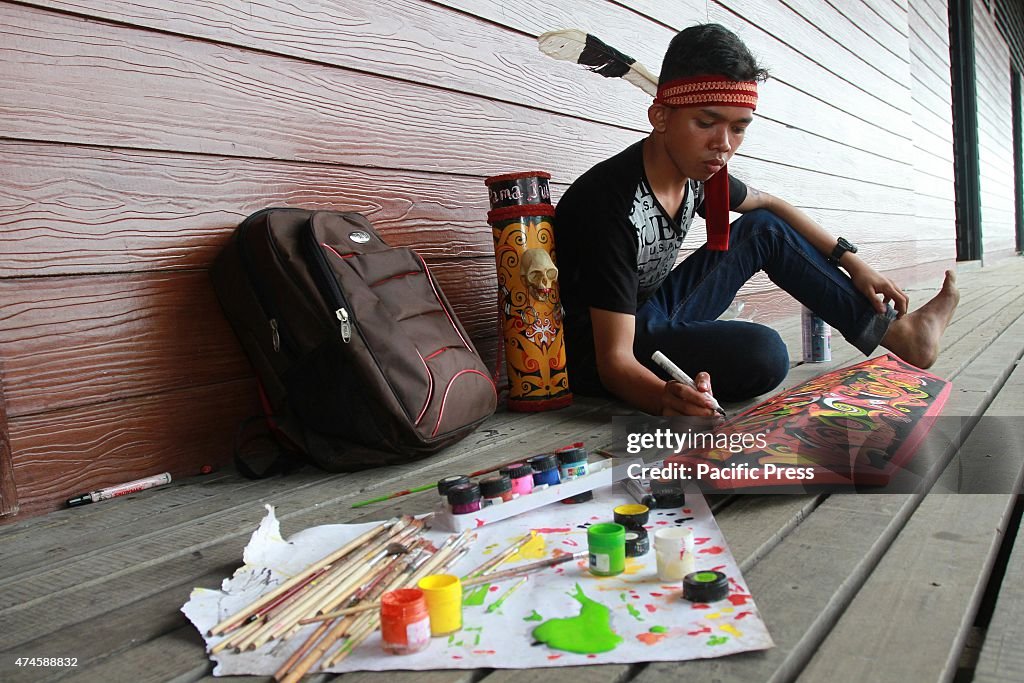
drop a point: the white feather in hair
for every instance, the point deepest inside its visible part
(587, 50)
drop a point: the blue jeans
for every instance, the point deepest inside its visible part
(744, 359)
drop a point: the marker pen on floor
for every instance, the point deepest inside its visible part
(676, 373)
(120, 489)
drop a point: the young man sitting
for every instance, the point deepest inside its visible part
(620, 226)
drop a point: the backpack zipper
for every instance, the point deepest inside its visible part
(346, 326)
(324, 277)
(277, 333)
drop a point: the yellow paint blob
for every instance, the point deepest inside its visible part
(729, 628)
(534, 549)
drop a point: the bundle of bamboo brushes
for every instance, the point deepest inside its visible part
(389, 556)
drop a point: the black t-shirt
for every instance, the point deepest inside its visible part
(614, 242)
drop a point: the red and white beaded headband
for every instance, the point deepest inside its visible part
(707, 90)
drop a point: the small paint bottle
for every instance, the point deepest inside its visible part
(443, 485)
(817, 338)
(572, 463)
(668, 493)
(545, 470)
(606, 543)
(404, 621)
(631, 515)
(637, 542)
(496, 490)
(443, 593)
(673, 551)
(521, 475)
(464, 498)
(710, 586)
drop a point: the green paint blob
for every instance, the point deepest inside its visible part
(634, 612)
(589, 633)
(717, 640)
(534, 617)
(705, 577)
(659, 629)
(477, 597)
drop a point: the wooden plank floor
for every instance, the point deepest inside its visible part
(876, 587)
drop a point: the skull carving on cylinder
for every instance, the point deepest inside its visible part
(538, 272)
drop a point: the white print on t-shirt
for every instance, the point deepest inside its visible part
(658, 238)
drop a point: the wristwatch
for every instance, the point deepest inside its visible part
(842, 246)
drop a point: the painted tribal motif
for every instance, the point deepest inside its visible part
(858, 424)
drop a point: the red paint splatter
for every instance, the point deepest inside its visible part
(657, 595)
(554, 656)
(687, 511)
(570, 542)
(661, 522)
(456, 656)
(651, 638)
(706, 629)
(718, 569)
(480, 522)
(484, 652)
(651, 608)
(595, 518)
(713, 550)
(701, 540)
(591, 656)
(741, 615)
(701, 605)
(553, 530)
(492, 588)
(739, 599)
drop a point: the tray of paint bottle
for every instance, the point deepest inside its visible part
(598, 474)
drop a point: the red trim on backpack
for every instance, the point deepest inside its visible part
(336, 252)
(430, 389)
(395, 277)
(440, 413)
(438, 297)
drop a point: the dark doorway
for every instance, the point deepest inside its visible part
(1018, 158)
(966, 167)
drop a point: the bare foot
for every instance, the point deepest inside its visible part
(915, 337)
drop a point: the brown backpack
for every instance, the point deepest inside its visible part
(361, 359)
